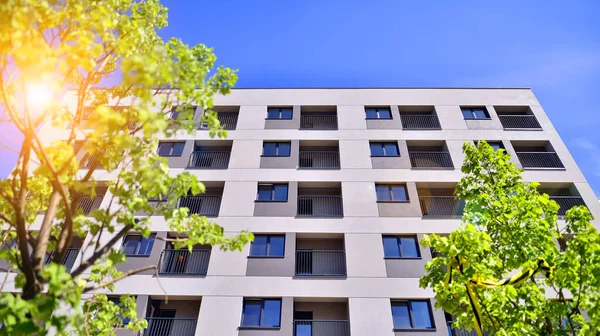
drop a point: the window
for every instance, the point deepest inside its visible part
(384, 149)
(475, 113)
(268, 246)
(272, 192)
(494, 144)
(137, 245)
(279, 113)
(276, 149)
(261, 313)
(400, 247)
(391, 192)
(378, 113)
(170, 148)
(412, 315)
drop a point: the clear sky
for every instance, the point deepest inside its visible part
(551, 46)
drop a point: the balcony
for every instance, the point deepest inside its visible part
(517, 118)
(419, 118)
(567, 202)
(429, 155)
(317, 199)
(203, 205)
(175, 318)
(437, 200)
(165, 326)
(89, 161)
(227, 115)
(182, 261)
(88, 204)
(68, 260)
(320, 257)
(537, 155)
(565, 194)
(318, 118)
(319, 155)
(321, 318)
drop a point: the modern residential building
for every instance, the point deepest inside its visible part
(338, 186)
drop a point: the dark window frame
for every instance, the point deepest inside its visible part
(473, 116)
(399, 243)
(377, 112)
(277, 144)
(280, 111)
(389, 186)
(383, 148)
(152, 237)
(262, 314)
(272, 185)
(172, 145)
(408, 304)
(268, 246)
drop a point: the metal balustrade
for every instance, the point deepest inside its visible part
(441, 206)
(203, 205)
(567, 202)
(539, 160)
(420, 122)
(184, 262)
(430, 160)
(519, 122)
(88, 204)
(320, 206)
(321, 328)
(68, 259)
(90, 161)
(209, 160)
(227, 120)
(319, 159)
(321, 262)
(461, 332)
(318, 122)
(165, 326)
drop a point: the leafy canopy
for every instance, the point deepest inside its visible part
(507, 226)
(50, 49)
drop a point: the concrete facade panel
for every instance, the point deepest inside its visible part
(245, 154)
(370, 316)
(359, 199)
(233, 192)
(351, 117)
(219, 315)
(364, 255)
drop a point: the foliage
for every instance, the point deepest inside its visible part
(507, 226)
(71, 48)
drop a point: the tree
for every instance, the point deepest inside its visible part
(508, 226)
(50, 48)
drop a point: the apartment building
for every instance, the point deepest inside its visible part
(338, 186)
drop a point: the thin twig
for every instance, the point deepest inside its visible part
(5, 278)
(125, 275)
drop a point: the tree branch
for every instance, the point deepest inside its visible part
(125, 275)
(99, 253)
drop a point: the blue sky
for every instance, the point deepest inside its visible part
(551, 46)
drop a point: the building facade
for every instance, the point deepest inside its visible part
(338, 186)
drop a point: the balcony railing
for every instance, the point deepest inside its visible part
(321, 262)
(519, 122)
(319, 159)
(228, 121)
(539, 160)
(209, 160)
(461, 332)
(90, 161)
(320, 206)
(68, 259)
(184, 262)
(430, 160)
(202, 205)
(318, 122)
(567, 202)
(321, 328)
(442, 206)
(164, 326)
(88, 204)
(420, 122)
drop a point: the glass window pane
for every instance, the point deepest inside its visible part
(271, 313)
(371, 113)
(284, 149)
(164, 149)
(391, 149)
(178, 148)
(273, 114)
(265, 192)
(130, 245)
(376, 149)
(251, 314)
(269, 148)
(281, 192)
(421, 316)
(409, 247)
(383, 192)
(385, 114)
(276, 246)
(400, 315)
(479, 114)
(399, 193)
(146, 245)
(390, 247)
(286, 114)
(467, 113)
(259, 246)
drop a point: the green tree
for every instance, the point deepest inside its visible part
(51, 49)
(508, 226)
